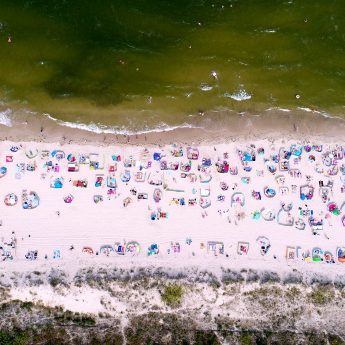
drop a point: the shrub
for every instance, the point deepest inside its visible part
(321, 295)
(172, 295)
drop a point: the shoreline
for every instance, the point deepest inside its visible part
(216, 127)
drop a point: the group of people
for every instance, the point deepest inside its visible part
(291, 185)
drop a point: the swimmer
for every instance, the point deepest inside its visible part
(214, 75)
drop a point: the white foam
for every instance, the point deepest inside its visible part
(5, 119)
(241, 95)
(308, 110)
(270, 31)
(102, 129)
(206, 87)
(285, 110)
(322, 113)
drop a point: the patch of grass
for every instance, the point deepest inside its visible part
(264, 292)
(321, 295)
(172, 295)
(267, 297)
(69, 317)
(293, 293)
(342, 293)
(54, 281)
(4, 294)
(27, 305)
(335, 340)
(246, 339)
(15, 337)
(204, 337)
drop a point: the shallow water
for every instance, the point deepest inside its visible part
(141, 64)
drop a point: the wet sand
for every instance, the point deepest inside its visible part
(221, 127)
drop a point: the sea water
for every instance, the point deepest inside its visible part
(146, 65)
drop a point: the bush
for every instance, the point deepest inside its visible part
(206, 338)
(321, 295)
(335, 340)
(246, 339)
(14, 338)
(54, 281)
(172, 295)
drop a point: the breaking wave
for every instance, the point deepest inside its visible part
(5, 118)
(241, 95)
(103, 129)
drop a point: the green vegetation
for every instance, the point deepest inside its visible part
(76, 319)
(246, 339)
(3, 294)
(172, 295)
(206, 338)
(293, 293)
(267, 297)
(264, 292)
(16, 337)
(54, 281)
(321, 295)
(335, 340)
(27, 305)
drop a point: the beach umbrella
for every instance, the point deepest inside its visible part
(31, 152)
(256, 215)
(307, 148)
(156, 156)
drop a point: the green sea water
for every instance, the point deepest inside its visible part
(142, 63)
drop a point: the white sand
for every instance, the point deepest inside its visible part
(84, 223)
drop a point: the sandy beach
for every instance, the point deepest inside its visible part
(133, 193)
(172, 173)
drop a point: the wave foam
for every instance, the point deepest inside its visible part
(5, 119)
(206, 87)
(241, 95)
(285, 110)
(102, 129)
(308, 110)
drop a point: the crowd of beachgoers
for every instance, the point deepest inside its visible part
(279, 200)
